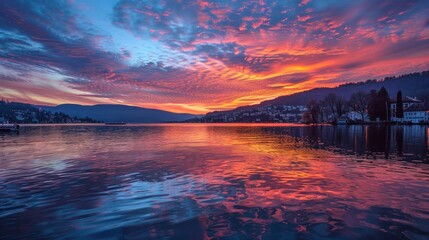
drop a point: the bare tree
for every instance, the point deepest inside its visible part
(359, 103)
(330, 101)
(340, 106)
(324, 112)
(314, 109)
(306, 117)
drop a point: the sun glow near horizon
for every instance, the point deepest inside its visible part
(201, 56)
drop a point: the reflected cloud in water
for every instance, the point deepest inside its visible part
(215, 181)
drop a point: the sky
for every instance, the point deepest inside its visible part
(198, 56)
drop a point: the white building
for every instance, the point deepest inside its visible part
(355, 116)
(416, 114)
(414, 111)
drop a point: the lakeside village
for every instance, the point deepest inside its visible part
(375, 107)
(14, 112)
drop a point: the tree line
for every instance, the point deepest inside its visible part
(17, 112)
(374, 103)
(415, 75)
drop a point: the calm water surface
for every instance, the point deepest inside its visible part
(214, 181)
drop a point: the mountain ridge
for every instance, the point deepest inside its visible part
(413, 84)
(119, 113)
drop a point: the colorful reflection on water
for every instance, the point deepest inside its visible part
(194, 181)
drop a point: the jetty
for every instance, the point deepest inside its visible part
(115, 123)
(6, 127)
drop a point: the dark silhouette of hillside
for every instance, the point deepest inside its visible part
(414, 84)
(119, 113)
(16, 112)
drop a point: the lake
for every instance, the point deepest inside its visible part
(218, 181)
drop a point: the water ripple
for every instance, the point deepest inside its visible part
(214, 181)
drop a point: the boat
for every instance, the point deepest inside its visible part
(5, 127)
(115, 123)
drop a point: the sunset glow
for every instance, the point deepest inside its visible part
(200, 56)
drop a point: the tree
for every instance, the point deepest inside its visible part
(314, 110)
(372, 105)
(306, 117)
(359, 103)
(330, 101)
(378, 105)
(340, 106)
(399, 105)
(336, 104)
(382, 104)
(322, 110)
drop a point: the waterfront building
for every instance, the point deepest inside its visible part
(414, 111)
(355, 116)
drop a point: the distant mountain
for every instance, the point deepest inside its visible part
(16, 112)
(119, 113)
(414, 84)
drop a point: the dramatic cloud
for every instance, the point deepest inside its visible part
(198, 56)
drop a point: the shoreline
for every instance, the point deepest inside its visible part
(221, 124)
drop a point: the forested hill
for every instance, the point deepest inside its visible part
(414, 84)
(119, 113)
(16, 112)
